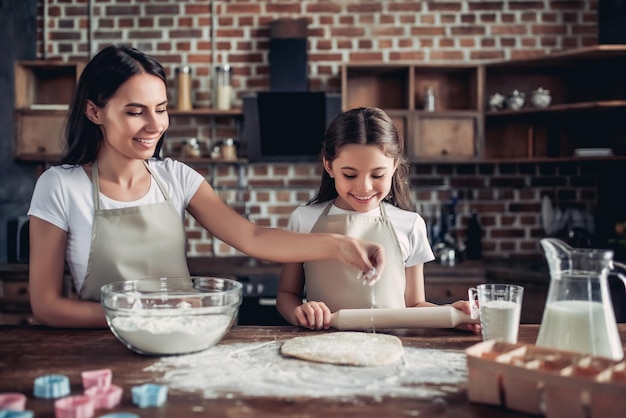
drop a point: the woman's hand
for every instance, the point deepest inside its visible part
(313, 315)
(367, 257)
(464, 306)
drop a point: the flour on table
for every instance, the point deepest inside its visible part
(351, 348)
(259, 370)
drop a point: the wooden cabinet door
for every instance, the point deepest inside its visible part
(440, 136)
(38, 135)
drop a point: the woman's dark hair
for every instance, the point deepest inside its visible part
(100, 79)
(365, 126)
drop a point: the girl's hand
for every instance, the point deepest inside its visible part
(313, 315)
(368, 258)
(463, 305)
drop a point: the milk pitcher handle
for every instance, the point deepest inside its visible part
(472, 297)
(619, 269)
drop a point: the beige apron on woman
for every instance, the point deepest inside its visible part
(133, 243)
(336, 284)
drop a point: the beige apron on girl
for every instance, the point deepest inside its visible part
(336, 284)
(138, 242)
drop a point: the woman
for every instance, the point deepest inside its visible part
(113, 211)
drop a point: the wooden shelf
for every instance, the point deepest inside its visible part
(205, 160)
(587, 87)
(205, 111)
(43, 92)
(571, 107)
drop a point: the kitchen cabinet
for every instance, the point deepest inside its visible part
(14, 294)
(588, 103)
(447, 132)
(43, 93)
(444, 284)
(588, 92)
(448, 284)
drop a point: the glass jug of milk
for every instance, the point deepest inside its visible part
(579, 315)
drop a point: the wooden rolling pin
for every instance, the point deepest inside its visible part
(428, 317)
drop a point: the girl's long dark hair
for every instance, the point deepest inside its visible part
(100, 79)
(366, 126)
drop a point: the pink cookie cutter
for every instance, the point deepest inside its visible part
(105, 397)
(100, 378)
(12, 401)
(79, 406)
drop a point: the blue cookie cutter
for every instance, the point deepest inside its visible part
(149, 394)
(6, 413)
(51, 386)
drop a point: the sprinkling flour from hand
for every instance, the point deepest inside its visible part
(257, 370)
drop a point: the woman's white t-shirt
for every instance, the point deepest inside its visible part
(409, 226)
(63, 196)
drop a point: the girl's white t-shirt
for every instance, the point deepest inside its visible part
(409, 226)
(63, 196)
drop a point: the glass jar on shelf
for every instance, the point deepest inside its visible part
(224, 87)
(191, 149)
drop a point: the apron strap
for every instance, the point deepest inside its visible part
(327, 208)
(158, 182)
(96, 184)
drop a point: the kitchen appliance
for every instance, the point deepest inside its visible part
(18, 240)
(258, 305)
(287, 126)
(288, 55)
(578, 314)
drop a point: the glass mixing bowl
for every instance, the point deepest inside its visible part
(169, 316)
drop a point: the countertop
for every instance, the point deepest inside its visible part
(243, 266)
(27, 352)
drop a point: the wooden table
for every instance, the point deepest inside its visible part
(27, 352)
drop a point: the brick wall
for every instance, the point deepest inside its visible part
(202, 33)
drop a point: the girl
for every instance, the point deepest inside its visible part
(113, 211)
(363, 193)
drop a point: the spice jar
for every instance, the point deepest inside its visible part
(224, 89)
(191, 149)
(228, 150)
(183, 88)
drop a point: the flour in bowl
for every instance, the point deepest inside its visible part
(259, 370)
(170, 334)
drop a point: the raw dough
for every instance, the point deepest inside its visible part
(350, 348)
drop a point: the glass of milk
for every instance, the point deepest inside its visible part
(499, 307)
